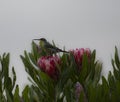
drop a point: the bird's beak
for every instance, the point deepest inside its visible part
(36, 39)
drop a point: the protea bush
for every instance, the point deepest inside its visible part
(66, 77)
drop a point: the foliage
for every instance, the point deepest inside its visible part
(75, 82)
(7, 84)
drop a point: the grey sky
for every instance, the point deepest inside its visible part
(70, 23)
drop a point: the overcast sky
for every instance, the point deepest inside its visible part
(70, 23)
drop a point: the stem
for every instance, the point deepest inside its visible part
(55, 92)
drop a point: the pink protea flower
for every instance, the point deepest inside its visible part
(78, 55)
(48, 64)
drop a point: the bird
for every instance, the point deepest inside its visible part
(48, 48)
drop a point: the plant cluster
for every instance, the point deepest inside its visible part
(66, 77)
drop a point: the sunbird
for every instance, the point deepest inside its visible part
(47, 47)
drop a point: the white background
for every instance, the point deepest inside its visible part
(70, 23)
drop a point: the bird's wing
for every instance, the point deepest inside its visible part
(53, 48)
(48, 45)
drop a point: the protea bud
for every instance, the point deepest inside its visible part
(48, 64)
(78, 55)
(78, 90)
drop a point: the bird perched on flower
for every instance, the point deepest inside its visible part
(47, 47)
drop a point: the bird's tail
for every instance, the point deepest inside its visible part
(64, 51)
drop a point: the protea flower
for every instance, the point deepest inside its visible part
(49, 65)
(78, 55)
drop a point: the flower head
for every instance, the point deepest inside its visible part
(78, 54)
(48, 64)
(78, 90)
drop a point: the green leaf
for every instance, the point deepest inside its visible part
(16, 95)
(35, 51)
(106, 91)
(116, 74)
(111, 81)
(8, 84)
(9, 96)
(113, 64)
(29, 66)
(25, 94)
(97, 74)
(68, 91)
(92, 93)
(5, 64)
(84, 69)
(14, 77)
(34, 61)
(93, 56)
(117, 61)
(82, 96)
